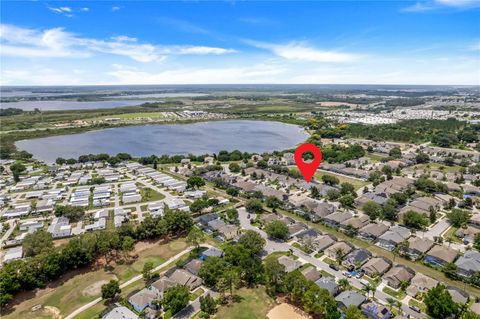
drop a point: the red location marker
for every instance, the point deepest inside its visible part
(308, 169)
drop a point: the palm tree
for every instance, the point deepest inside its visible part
(339, 254)
(343, 283)
(367, 289)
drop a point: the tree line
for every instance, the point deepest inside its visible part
(49, 263)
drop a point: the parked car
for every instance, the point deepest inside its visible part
(334, 266)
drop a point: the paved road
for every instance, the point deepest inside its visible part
(131, 281)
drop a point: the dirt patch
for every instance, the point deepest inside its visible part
(286, 311)
(53, 311)
(95, 288)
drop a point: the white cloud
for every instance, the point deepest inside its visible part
(258, 73)
(85, 9)
(115, 8)
(56, 42)
(302, 52)
(423, 6)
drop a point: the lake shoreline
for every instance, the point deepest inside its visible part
(290, 131)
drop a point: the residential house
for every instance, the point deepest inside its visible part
(391, 238)
(185, 278)
(376, 266)
(161, 285)
(142, 299)
(334, 220)
(329, 284)
(324, 241)
(398, 274)
(120, 312)
(468, 264)
(311, 273)
(418, 247)
(356, 258)
(374, 310)
(289, 263)
(194, 266)
(372, 231)
(420, 284)
(338, 249)
(441, 255)
(212, 252)
(356, 222)
(350, 298)
(458, 296)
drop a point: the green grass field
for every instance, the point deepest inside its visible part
(343, 179)
(253, 304)
(81, 288)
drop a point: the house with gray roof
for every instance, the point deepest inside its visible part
(395, 235)
(376, 266)
(289, 263)
(356, 258)
(120, 312)
(374, 310)
(334, 220)
(311, 273)
(142, 299)
(329, 284)
(468, 264)
(398, 274)
(350, 298)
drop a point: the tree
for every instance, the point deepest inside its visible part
(277, 229)
(330, 180)
(372, 209)
(347, 200)
(73, 213)
(252, 241)
(232, 215)
(147, 271)
(195, 182)
(422, 158)
(175, 299)
(37, 242)
(272, 202)
(195, 236)
(347, 188)
(439, 303)
(208, 304)
(254, 206)
(459, 217)
(274, 273)
(352, 312)
(110, 290)
(177, 221)
(395, 152)
(314, 193)
(232, 191)
(415, 220)
(344, 284)
(211, 270)
(60, 161)
(234, 168)
(128, 244)
(17, 168)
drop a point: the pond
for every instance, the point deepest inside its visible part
(170, 139)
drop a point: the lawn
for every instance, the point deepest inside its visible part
(396, 294)
(80, 288)
(149, 194)
(357, 183)
(416, 303)
(253, 304)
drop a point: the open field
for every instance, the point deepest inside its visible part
(78, 288)
(286, 311)
(253, 304)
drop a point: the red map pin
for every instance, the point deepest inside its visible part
(308, 169)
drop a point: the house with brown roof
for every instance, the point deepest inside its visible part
(311, 273)
(372, 231)
(420, 284)
(142, 299)
(355, 222)
(184, 278)
(417, 247)
(376, 266)
(334, 220)
(398, 274)
(161, 285)
(340, 248)
(322, 242)
(441, 255)
(193, 266)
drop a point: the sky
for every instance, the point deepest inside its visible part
(240, 42)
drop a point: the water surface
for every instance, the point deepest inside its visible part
(171, 139)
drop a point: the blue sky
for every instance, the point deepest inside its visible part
(335, 42)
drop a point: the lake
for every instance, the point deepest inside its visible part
(171, 139)
(70, 105)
